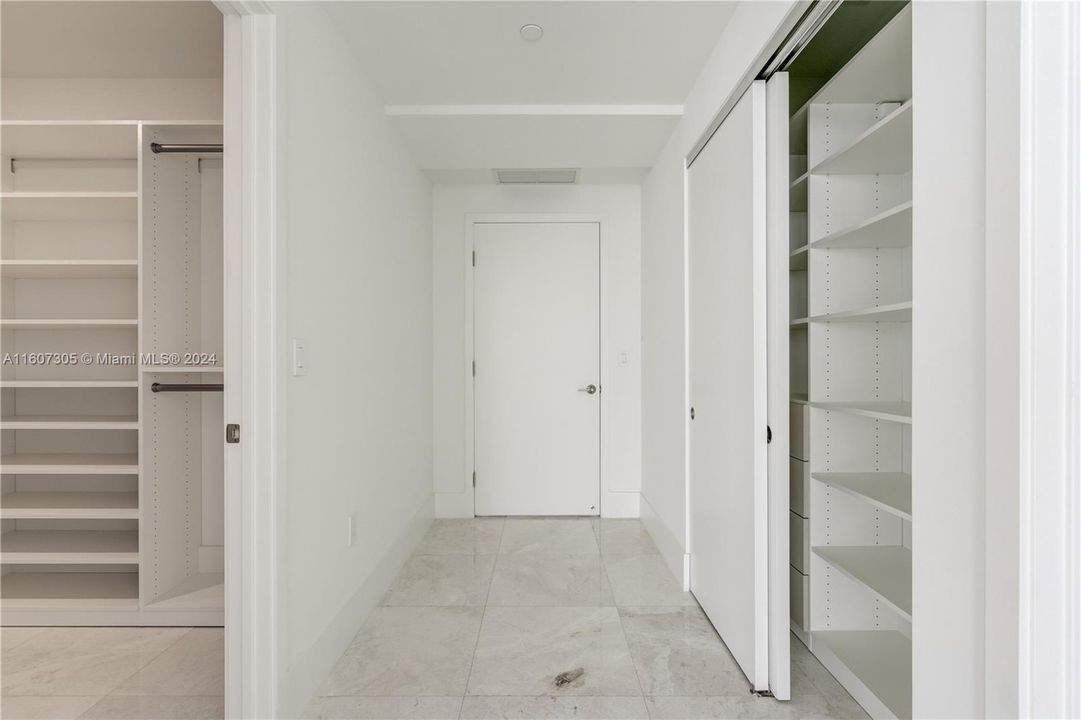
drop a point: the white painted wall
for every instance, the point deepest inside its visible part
(620, 267)
(948, 397)
(356, 221)
(1003, 382)
(664, 410)
(167, 99)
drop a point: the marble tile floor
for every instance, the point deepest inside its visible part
(551, 618)
(112, 673)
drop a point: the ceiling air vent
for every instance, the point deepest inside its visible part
(536, 177)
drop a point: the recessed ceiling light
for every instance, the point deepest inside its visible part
(531, 32)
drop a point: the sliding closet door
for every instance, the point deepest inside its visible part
(728, 462)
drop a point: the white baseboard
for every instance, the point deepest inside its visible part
(670, 546)
(301, 682)
(621, 504)
(454, 505)
(614, 505)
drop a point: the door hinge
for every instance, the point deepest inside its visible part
(232, 433)
(474, 478)
(474, 258)
(474, 368)
(769, 435)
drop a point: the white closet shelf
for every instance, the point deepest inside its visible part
(885, 570)
(202, 591)
(69, 268)
(70, 195)
(70, 591)
(894, 312)
(69, 422)
(69, 464)
(797, 194)
(799, 398)
(70, 140)
(889, 491)
(69, 505)
(900, 412)
(880, 71)
(58, 206)
(884, 148)
(61, 122)
(182, 369)
(798, 258)
(887, 229)
(798, 323)
(66, 324)
(70, 547)
(880, 659)
(68, 384)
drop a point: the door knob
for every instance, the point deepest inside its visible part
(590, 389)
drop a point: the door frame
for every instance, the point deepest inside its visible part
(253, 324)
(471, 221)
(1048, 328)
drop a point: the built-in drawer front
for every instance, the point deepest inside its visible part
(799, 487)
(799, 542)
(799, 427)
(799, 593)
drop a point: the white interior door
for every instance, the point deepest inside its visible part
(727, 312)
(536, 341)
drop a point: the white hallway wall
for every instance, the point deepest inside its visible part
(664, 409)
(356, 224)
(621, 240)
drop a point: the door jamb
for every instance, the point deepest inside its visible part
(252, 324)
(1049, 341)
(471, 221)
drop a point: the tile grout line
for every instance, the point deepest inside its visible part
(622, 628)
(634, 664)
(483, 614)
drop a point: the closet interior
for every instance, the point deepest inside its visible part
(112, 270)
(851, 349)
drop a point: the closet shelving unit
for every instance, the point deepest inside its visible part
(83, 535)
(856, 132)
(799, 447)
(181, 447)
(69, 279)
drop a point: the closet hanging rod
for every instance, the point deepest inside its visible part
(186, 387)
(185, 148)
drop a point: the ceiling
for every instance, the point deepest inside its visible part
(536, 141)
(435, 53)
(603, 88)
(110, 39)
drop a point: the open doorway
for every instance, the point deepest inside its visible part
(114, 322)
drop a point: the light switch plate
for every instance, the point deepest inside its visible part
(300, 358)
